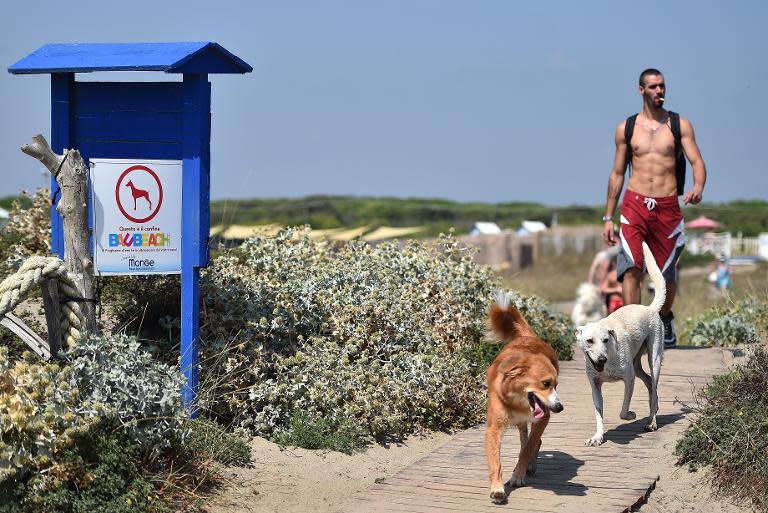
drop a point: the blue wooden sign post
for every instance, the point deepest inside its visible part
(143, 120)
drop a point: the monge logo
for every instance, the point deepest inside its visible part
(140, 264)
(139, 194)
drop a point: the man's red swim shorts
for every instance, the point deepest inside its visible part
(657, 221)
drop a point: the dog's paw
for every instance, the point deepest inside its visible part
(498, 496)
(517, 480)
(630, 415)
(652, 426)
(532, 468)
(595, 440)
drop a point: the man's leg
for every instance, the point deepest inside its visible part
(667, 308)
(670, 337)
(630, 287)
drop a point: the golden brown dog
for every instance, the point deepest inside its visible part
(522, 383)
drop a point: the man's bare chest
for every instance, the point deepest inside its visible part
(660, 142)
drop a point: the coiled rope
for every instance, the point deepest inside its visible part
(15, 288)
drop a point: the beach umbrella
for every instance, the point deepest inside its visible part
(704, 223)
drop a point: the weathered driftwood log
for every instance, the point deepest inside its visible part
(52, 315)
(71, 173)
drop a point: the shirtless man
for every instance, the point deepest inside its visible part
(650, 210)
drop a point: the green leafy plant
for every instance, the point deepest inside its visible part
(740, 322)
(730, 432)
(346, 435)
(97, 473)
(28, 231)
(208, 440)
(143, 393)
(375, 334)
(43, 406)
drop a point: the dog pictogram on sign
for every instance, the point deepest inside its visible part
(139, 194)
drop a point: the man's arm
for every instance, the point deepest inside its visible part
(691, 149)
(615, 183)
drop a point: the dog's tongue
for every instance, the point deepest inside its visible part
(538, 411)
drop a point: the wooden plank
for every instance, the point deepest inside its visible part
(129, 96)
(147, 127)
(32, 339)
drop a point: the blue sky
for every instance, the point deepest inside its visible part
(474, 101)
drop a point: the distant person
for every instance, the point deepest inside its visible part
(601, 263)
(611, 290)
(654, 143)
(721, 274)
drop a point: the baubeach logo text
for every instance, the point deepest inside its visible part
(139, 239)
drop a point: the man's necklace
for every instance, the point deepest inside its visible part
(651, 129)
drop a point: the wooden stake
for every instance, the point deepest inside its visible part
(52, 315)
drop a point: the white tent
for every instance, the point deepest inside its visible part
(531, 227)
(485, 228)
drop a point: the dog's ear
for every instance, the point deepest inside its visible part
(578, 331)
(506, 323)
(515, 371)
(612, 333)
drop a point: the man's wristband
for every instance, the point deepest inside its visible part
(607, 218)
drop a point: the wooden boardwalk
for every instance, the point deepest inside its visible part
(614, 477)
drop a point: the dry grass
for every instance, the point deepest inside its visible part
(554, 278)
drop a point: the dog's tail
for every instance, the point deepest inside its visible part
(505, 322)
(659, 285)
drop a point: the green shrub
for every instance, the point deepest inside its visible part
(208, 440)
(40, 414)
(97, 474)
(143, 393)
(732, 323)
(28, 231)
(730, 432)
(43, 406)
(346, 436)
(357, 332)
(353, 335)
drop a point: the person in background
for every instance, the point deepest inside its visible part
(602, 262)
(610, 288)
(722, 270)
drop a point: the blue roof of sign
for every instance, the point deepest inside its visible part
(195, 57)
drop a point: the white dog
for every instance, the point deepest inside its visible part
(614, 346)
(588, 306)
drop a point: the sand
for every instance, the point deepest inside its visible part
(298, 480)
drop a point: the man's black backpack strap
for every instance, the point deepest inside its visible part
(629, 127)
(674, 125)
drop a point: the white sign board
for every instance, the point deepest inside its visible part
(136, 216)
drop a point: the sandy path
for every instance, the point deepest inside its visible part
(298, 480)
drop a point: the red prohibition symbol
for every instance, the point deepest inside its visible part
(139, 195)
